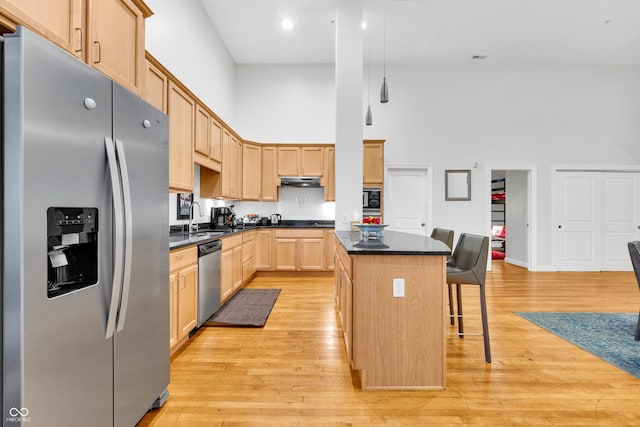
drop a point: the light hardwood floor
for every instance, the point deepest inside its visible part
(294, 371)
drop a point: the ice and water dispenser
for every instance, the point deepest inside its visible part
(72, 249)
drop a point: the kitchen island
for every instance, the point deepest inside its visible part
(390, 296)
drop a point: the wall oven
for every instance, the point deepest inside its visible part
(371, 201)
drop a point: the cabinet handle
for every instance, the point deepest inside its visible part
(99, 52)
(81, 39)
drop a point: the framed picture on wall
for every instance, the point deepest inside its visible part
(184, 205)
(457, 185)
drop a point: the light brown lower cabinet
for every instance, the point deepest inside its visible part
(248, 254)
(299, 249)
(264, 249)
(329, 248)
(183, 279)
(344, 304)
(230, 266)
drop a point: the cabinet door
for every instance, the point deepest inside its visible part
(285, 254)
(202, 131)
(237, 170)
(264, 250)
(60, 21)
(173, 310)
(312, 161)
(269, 174)
(216, 141)
(329, 175)
(227, 163)
(155, 87)
(347, 324)
(115, 41)
(226, 274)
(236, 272)
(311, 254)
(187, 300)
(250, 172)
(373, 163)
(329, 249)
(181, 111)
(288, 161)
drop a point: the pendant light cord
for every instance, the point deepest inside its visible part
(384, 45)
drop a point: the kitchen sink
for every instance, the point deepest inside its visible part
(206, 234)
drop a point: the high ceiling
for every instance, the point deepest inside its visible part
(435, 31)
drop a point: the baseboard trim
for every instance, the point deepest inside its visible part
(516, 262)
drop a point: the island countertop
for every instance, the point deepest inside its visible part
(392, 243)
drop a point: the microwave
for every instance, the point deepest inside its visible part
(371, 201)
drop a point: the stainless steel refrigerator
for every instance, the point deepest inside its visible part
(85, 263)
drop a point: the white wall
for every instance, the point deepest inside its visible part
(516, 217)
(181, 36)
(454, 115)
(286, 103)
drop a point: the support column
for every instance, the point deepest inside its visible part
(349, 113)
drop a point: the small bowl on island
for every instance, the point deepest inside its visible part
(372, 231)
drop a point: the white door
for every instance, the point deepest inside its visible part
(621, 218)
(598, 213)
(579, 221)
(406, 200)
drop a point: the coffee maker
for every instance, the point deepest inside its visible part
(223, 217)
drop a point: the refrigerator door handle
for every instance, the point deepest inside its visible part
(128, 233)
(118, 246)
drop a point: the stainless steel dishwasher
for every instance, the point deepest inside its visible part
(208, 280)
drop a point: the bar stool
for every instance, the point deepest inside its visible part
(446, 236)
(634, 253)
(468, 266)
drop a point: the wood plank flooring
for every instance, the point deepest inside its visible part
(294, 371)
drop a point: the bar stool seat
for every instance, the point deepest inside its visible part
(468, 266)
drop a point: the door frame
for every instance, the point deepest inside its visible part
(428, 168)
(532, 207)
(553, 215)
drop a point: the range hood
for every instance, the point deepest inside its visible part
(300, 181)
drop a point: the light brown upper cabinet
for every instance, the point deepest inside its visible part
(229, 184)
(107, 34)
(60, 21)
(373, 162)
(181, 110)
(202, 132)
(215, 147)
(329, 176)
(115, 41)
(155, 91)
(251, 163)
(300, 161)
(269, 174)
(208, 139)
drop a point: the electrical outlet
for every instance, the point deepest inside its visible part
(398, 288)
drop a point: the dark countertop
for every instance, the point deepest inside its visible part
(178, 238)
(392, 243)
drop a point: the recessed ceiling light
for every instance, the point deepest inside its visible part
(287, 24)
(364, 25)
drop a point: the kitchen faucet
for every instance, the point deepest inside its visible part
(194, 226)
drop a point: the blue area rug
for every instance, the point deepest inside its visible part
(606, 335)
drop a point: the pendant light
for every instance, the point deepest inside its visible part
(368, 118)
(384, 90)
